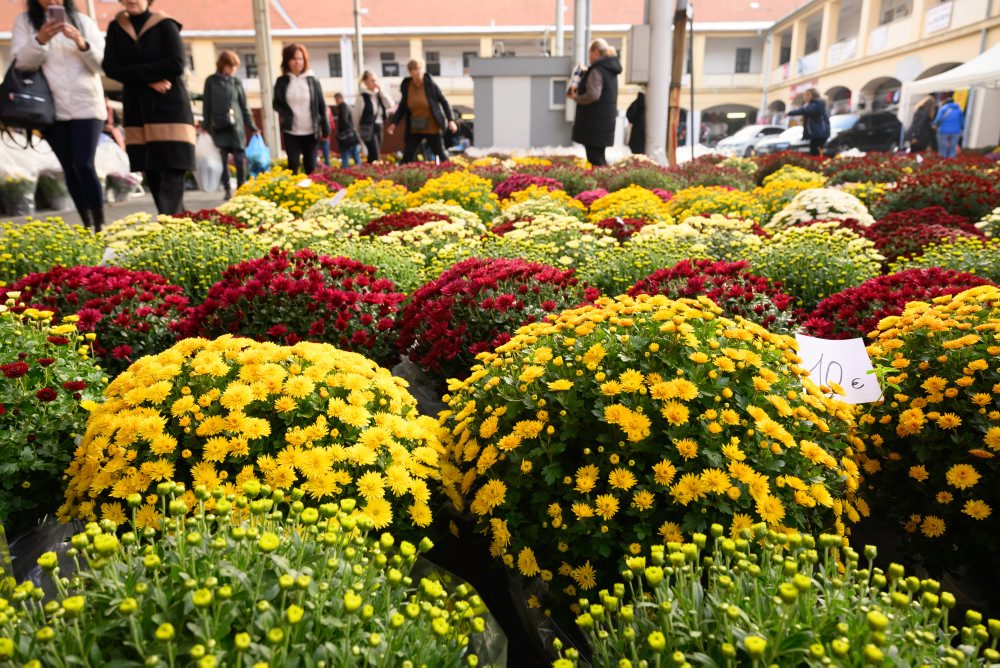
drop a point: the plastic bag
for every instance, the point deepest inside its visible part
(207, 164)
(258, 155)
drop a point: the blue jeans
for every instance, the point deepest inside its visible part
(948, 144)
(348, 152)
(324, 148)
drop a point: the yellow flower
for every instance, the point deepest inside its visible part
(671, 532)
(919, 473)
(932, 526)
(977, 509)
(582, 511)
(740, 522)
(380, 512)
(962, 476)
(489, 496)
(585, 576)
(526, 562)
(643, 500)
(770, 509)
(622, 479)
(664, 472)
(606, 506)
(686, 447)
(675, 413)
(560, 385)
(949, 421)
(371, 485)
(689, 488)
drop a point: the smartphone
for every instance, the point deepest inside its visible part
(56, 14)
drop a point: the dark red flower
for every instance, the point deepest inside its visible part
(45, 361)
(122, 352)
(517, 182)
(46, 394)
(14, 369)
(74, 385)
(3, 409)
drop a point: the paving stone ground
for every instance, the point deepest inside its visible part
(193, 201)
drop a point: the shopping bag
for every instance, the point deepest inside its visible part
(258, 155)
(207, 164)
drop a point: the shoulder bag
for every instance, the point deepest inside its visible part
(26, 101)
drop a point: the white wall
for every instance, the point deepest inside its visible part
(720, 54)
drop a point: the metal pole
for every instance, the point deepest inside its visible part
(560, 27)
(768, 57)
(692, 133)
(580, 32)
(589, 22)
(659, 15)
(359, 44)
(262, 28)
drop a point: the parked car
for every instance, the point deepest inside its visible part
(875, 131)
(789, 140)
(742, 142)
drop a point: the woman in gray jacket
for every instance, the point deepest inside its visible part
(371, 109)
(226, 116)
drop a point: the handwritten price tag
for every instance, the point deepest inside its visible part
(845, 363)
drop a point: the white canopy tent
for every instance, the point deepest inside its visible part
(981, 76)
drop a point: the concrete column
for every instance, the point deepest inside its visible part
(660, 17)
(416, 49)
(798, 46)
(485, 47)
(698, 69)
(919, 14)
(580, 32)
(266, 65)
(560, 28)
(828, 33)
(867, 23)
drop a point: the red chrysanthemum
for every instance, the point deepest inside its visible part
(14, 369)
(46, 394)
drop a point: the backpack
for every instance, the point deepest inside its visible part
(26, 102)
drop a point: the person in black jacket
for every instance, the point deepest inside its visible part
(298, 99)
(636, 115)
(597, 102)
(145, 53)
(815, 120)
(227, 118)
(426, 111)
(921, 133)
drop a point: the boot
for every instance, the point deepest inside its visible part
(98, 218)
(86, 219)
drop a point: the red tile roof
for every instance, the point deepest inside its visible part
(223, 15)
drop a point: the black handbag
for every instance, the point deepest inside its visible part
(225, 120)
(26, 101)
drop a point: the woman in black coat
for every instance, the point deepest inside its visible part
(426, 111)
(226, 116)
(636, 115)
(298, 99)
(921, 133)
(145, 53)
(597, 102)
(815, 120)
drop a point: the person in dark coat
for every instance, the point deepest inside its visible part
(347, 137)
(144, 52)
(815, 120)
(597, 102)
(227, 118)
(426, 111)
(921, 133)
(302, 113)
(636, 115)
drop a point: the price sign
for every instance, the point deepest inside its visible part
(845, 363)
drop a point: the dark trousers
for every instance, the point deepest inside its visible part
(75, 144)
(301, 150)
(413, 143)
(374, 145)
(595, 155)
(239, 159)
(167, 186)
(816, 145)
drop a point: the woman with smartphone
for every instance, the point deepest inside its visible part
(144, 51)
(68, 48)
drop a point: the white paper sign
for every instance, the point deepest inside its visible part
(938, 18)
(846, 363)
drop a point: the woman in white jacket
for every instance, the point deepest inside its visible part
(69, 53)
(371, 108)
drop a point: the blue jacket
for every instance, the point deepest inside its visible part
(950, 119)
(815, 121)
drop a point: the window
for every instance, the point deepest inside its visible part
(250, 63)
(743, 59)
(390, 69)
(336, 68)
(557, 93)
(387, 56)
(785, 54)
(466, 57)
(434, 63)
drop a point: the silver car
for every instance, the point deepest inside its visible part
(789, 140)
(742, 142)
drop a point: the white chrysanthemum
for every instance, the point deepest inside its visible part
(820, 204)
